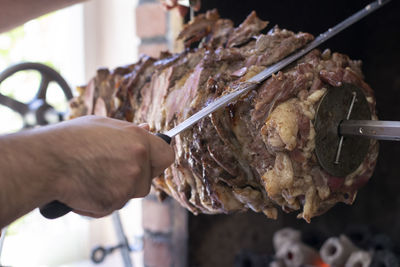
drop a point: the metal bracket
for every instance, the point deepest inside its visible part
(332, 109)
(99, 253)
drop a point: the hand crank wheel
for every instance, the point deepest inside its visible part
(37, 111)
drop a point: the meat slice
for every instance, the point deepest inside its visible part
(269, 48)
(258, 152)
(251, 26)
(200, 27)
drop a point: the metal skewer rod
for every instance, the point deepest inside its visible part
(381, 130)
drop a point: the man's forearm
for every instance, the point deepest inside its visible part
(23, 173)
(15, 12)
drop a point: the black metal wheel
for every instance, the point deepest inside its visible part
(37, 111)
(98, 254)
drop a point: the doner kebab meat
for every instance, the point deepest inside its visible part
(258, 152)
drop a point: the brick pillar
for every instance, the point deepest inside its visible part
(165, 233)
(151, 27)
(164, 223)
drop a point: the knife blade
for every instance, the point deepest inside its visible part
(381, 130)
(263, 75)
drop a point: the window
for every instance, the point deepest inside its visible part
(75, 41)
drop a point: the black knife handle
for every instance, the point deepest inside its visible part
(164, 137)
(54, 210)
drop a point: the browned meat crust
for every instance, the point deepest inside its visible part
(257, 153)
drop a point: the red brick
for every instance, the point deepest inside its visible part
(156, 216)
(151, 20)
(156, 253)
(152, 50)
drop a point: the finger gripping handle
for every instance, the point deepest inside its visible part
(54, 210)
(164, 137)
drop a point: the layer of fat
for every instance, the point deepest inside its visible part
(249, 197)
(308, 105)
(281, 126)
(279, 177)
(308, 108)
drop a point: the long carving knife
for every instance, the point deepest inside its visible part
(57, 209)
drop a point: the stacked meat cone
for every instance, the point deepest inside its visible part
(258, 152)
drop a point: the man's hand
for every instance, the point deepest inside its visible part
(107, 162)
(169, 4)
(92, 164)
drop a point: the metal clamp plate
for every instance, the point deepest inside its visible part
(331, 111)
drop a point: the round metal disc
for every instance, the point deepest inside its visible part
(332, 109)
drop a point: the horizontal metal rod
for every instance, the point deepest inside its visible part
(381, 130)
